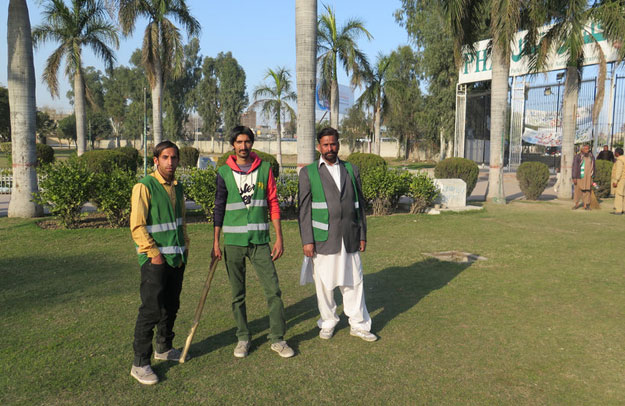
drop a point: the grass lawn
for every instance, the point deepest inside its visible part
(539, 323)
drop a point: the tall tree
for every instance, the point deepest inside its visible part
(569, 32)
(162, 51)
(232, 96)
(274, 99)
(339, 45)
(207, 98)
(354, 127)
(426, 25)
(84, 24)
(406, 107)
(46, 127)
(116, 99)
(306, 76)
(374, 94)
(21, 81)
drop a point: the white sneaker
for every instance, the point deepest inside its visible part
(365, 335)
(283, 349)
(326, 333)
(144, 375)
(241, 349)
(171, 355)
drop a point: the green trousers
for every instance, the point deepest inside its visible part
(260, 257)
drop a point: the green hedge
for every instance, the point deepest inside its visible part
(383, 187)
(603, 176)
(275, 167)
(189, 157)
(104, 160)
(200, 186)
(287, 185)
(423, 191)
(458, 168)
(366, 162)
(533, 178)
(45, 153)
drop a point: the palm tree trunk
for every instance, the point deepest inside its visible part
(279, 138)
(498, 104)
(306, 75)
(334, 104)
(569, 124)
(376, 131)
(21, 82)
(157, 107)
(80, 112)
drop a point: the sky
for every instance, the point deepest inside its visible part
(259, 33)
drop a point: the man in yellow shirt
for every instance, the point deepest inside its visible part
(618, 181)
(158, 227)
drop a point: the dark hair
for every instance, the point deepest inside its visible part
(163, 146)
(619, 151)
(327, 131)
(241, 129)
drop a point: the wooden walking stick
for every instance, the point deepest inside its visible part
(198, 310)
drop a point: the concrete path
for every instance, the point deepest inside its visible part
(511, 189)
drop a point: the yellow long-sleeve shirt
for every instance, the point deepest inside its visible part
(140, 203)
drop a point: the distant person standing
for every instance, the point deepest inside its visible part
(583, 172)
(618, 181)
(606, 154)
(158, 228)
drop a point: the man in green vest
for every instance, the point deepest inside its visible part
(334, 232)
(158, 228)
(245, 198)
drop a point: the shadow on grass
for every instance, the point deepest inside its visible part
(394, 290)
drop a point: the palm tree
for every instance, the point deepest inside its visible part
(306, 73)
(162, 52)
(374, 94)
(506, 18)
(21, 82)
(274, 100)
(570, 30)
(84, 24)
(335, 45)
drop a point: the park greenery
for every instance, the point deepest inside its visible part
(528, 326)
(533, 178)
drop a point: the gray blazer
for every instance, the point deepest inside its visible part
(344, 224)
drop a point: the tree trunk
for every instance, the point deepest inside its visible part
(334, 104)
(279, 144)
(23, 107)
(157, 108)
(306, 74)
(498, 104)
(569, 124)
(376, 130)
(80, 112)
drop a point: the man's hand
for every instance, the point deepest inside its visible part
(575, 181)
(278, 249)
(363, 246)
(216, 251)
(309, 250)
(158, 260)
(614, 184)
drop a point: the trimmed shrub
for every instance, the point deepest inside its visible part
(383, 187)
(366, 162)
(275, 167)
(104, 160)
(423, 191)
(200, 186)
(288, 184)
(189, 157)
(533, 178)
(112, 192)
(45, 154)
(603, 177)
(65, 187)
(132, 153)
(458, 168)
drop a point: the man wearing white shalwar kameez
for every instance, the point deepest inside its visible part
(333, 230)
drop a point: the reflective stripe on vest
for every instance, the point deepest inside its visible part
(158, 228)
(245, 224)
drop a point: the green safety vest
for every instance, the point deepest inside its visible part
(320, 214)
(246, 224)
(164, 223)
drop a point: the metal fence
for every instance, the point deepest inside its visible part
(6, 181)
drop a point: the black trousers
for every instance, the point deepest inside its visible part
(160, 300)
